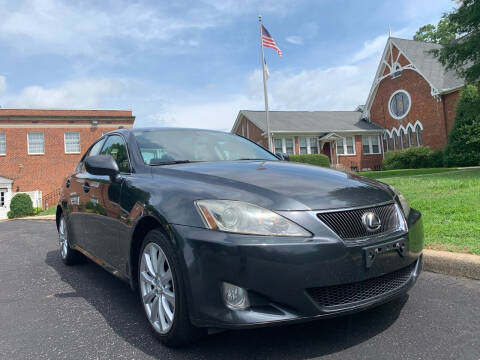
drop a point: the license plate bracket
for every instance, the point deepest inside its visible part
(371, 252)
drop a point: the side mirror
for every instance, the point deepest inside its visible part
(283, 156)
(102, 165)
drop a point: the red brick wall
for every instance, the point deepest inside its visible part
(424, 107)
(46, 172)
(255, 134)
(449, 104)
(359, 160)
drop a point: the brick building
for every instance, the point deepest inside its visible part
(346, 138)
(411, 102)
(413, 96)
(38, 148)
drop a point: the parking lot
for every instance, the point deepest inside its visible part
(49, 310)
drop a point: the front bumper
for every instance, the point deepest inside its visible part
(280, 273)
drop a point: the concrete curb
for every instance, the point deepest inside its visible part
(449, 263)
(42, 217)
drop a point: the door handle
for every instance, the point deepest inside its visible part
(86, 187)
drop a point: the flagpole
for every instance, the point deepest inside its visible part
(269, 140)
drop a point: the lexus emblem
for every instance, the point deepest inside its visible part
(371, 221)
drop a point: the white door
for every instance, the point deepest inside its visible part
(3, 203)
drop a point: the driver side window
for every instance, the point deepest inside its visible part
(94, 150)
(116, 147)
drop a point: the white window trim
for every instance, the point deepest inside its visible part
(28, 142)
(309, 145)
(284, 144)
(345, 147)
(370, 145)
(65, 142)
(409, 104)
(5, 137)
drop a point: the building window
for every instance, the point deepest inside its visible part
(399, 104)
(72, 143)
(387, 142)
(3, 144)
(410, 137)
(395, 145)
(289, 146)
(303, 145)
(370, 144)
(402, 139)
(313, 143)
(418, 131)
(308, 145)
(397, 70)
(284, 145)
(36, 143)
(345, 146)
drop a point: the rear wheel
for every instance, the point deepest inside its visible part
(162, 292)
(68, 255)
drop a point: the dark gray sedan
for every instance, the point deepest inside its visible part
(213, 231)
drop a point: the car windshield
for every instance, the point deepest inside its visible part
(160, 147)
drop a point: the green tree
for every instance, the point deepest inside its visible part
(443, 33)
(459, 32)
(463, 148)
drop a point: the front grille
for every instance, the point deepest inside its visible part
(348, 223)
(349, 294)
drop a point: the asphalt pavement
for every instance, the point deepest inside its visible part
(51, 311)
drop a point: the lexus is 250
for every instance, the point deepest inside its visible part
(215, 232)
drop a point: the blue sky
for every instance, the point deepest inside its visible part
(196, 63)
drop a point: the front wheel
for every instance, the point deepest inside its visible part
(68, 255)
(162, 292)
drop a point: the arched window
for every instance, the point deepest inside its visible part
(395, 145)
(387, 142)
(402, 139)
(410, 137)
(418, 131)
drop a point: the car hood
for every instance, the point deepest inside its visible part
(276, 185)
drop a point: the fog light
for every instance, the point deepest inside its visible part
(235, 297)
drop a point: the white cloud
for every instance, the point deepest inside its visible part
(71, 28)
(296, 40)
(3, 85)
(78, 94)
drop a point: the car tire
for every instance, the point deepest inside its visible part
(68, 255)
(180, 330)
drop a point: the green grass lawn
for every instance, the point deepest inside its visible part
(50, 211)
(450, 205)
(403, 172)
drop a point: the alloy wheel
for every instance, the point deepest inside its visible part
(63, 237)
(157, 288)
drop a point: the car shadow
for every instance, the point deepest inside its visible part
(121, 309)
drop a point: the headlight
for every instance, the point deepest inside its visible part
(401, 200)
(240, 217)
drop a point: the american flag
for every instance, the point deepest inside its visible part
(267, 40)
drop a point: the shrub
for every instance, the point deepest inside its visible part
(463, 147)
(37, 210)
(413, 158)
(21, 205)
(313, 159)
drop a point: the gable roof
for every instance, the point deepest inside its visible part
(309, 121)
(422, 61)
(431, 68)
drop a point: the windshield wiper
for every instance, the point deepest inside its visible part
(157, 163)
(251, 159)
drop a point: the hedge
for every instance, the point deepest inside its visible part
(20, 205)
(313, 159)
(413, 158)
